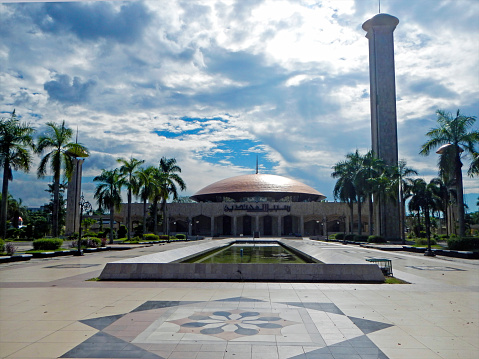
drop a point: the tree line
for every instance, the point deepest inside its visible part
(57, 151)
(361, 178)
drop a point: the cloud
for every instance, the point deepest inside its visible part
(211, 82)
(68, 91)
(124, 23)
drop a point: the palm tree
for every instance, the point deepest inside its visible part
(400, 180)
(146, 179)
(16, 139)
(62, 152)
(456, 135)
(425, 197)
(345, 188)
(169, 180)
(108, 194)
(128, 179)
(373, 179)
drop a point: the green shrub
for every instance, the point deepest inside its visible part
(122, 231)
(339, 236)
(349, 237)
(463, 244)
(423, 241)
(14, 233)
(2, 245)
(443, 237)
(360, 238)
(47, 244)
(89, 234)
(150, 237)
(376, 239)
(180, 236)
(164, 237)
(73, 236)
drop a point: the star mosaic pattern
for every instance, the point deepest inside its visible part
(141, 332)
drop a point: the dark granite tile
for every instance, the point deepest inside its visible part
(102, 322)
(369, 326)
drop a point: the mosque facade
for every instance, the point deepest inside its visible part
(256, 205)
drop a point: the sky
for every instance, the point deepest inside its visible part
(218, 83)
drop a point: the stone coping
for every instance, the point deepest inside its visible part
(165, 266)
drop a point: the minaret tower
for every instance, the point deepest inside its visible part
(380, 30)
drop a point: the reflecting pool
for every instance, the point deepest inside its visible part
(251, 253)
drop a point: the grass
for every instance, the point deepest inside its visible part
(435, 246)
(393, 280)
(94, 279)
(47, 250)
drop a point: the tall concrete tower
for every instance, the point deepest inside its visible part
(380, 30)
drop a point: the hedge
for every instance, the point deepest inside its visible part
(349, 237)
(423, 241)
(376, 239)
(180, 236)
(360, 238)
(339, 236)
(463, 244)
(150, 237)
(2, 245)
(47, 244)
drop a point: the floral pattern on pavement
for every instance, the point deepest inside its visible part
(232, 324)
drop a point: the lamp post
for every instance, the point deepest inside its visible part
(85, 206)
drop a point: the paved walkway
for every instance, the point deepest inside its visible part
(48, 309)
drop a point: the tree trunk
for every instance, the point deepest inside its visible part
(402, 214)
(351, 213)
(427, 223)
(370, 223)
(112, 209)
(155, 216)
(128, 219)
(460, 196)
(165, 220)
(56, 207)
(144, 216)
(3, 210)
(360, 225)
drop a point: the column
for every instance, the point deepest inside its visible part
(301, 225)
(380, 30)
(279, 226)
(212, 226)
(235, 232)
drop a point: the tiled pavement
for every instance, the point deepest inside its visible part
(49, 310)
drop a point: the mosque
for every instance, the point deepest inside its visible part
(254, 205)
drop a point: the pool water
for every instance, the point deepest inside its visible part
(250, 253)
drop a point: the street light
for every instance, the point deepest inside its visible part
(85, 206)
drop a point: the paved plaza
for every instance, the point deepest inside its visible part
(49, 309)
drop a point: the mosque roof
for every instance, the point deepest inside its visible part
(257, 185)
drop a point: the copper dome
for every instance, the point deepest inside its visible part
(241, 188)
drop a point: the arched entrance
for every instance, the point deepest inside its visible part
(267, 225)
(288, 225)
(247, 225)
